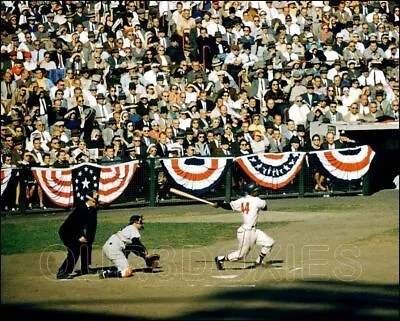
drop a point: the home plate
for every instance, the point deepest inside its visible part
(229, 276)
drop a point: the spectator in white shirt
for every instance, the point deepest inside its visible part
(298, 111)
(392, 52)
(215, 25)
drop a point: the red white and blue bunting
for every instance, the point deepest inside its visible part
(9, 178)
(346, 164)
(67, 186)
(196, 175)
(272, 170)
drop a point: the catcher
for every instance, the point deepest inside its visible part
(120, 244)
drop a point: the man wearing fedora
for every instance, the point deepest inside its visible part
(298, 88)
(102, 109)
(221, 47)
(259, 84)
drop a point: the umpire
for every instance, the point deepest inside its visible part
(77, 233)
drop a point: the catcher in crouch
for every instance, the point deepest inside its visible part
(247, 234)
(120, 244)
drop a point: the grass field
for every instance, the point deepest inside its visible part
(40, 236)
(334, 258)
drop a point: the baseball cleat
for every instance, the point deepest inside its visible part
(219, 263)
(64, 276)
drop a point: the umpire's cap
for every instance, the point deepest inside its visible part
(135, 218)
(252, 187)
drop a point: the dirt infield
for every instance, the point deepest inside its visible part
(325, 265)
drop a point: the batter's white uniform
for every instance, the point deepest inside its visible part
(247, 234)
(114, 246)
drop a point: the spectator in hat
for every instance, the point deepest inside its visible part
(298, 111)
(392, 54)
(96, 61)
(232, 17)
(90, 24)
(259, 84)
(215, 25)
(353, 73)
(277, 95)
(194, 33)
(345, 99)
(116, 62)
(344, 141)
(184, 22)
(334, 70)
(316, 114)
(376, 75)
(150, 76)
(293, 146)
(224, 148)
(205, 45)
(50, 25)
(382, 100)
(330, 54)
(309, 97)
(102, 109)
(291, 26)
(221, 47)
(314, 53)
(362, 79)
(248, 59)
(8, 87)
(374, 12)
(189, 139)
(339, 44)
(163, 59)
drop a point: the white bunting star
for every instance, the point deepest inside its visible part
(85, 183)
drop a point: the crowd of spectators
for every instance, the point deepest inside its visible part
(110, 81)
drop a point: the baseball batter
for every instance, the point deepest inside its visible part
(247, 234)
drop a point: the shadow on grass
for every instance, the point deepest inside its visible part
(308, 300)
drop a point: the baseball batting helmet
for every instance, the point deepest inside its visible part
(252, 187)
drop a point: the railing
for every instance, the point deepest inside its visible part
(149, 187)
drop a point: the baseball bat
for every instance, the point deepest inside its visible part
(187, 195)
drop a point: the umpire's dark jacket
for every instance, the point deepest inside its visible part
(81, 222)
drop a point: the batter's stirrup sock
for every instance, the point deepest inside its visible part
(260, 259)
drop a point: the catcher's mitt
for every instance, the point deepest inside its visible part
(152, 261)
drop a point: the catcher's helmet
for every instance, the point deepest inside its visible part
(135, 218)
(252, 187)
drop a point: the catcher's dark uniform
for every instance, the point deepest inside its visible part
(81, 222)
